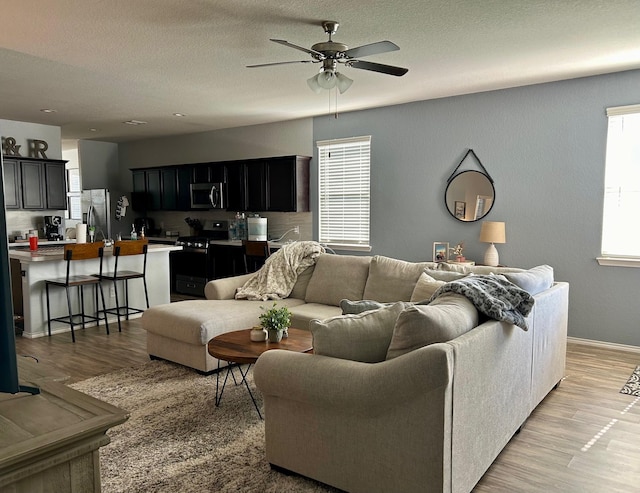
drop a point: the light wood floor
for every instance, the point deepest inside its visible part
(584, 437)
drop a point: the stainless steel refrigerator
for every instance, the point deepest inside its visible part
(96, 211)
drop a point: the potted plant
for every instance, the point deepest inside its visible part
(276, 321)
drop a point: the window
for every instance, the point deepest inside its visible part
(73, 195)
(621, 210)
(344, 195)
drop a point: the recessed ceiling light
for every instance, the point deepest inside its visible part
(135, 122)
(48, 110)
(179, 114)
(93, 129)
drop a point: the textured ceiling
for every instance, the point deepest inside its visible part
(99, 63)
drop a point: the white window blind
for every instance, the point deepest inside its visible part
(620, 236)
(344, 195)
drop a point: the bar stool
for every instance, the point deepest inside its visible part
(83, 251)
(122, 249)
(255, 254)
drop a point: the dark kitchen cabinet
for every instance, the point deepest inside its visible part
(32, 178)
(256, 178)
(55, 184)
(271, 184)
(32, 183)
(11, 178)
(155, 189)
(287, 186)
(183, 187)
(168, 189)
(236, 186)
(259, 185)
(209, 173)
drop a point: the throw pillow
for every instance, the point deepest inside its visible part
(534, 280)
(444, 319)
(391, 279)
(337, 277)
(425, 287)
(364, 337)
(355, 307)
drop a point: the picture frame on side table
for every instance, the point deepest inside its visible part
(461, 209)
(440, 251)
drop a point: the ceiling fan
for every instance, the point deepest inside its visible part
(331, 53)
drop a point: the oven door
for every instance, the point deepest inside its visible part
(190, 270)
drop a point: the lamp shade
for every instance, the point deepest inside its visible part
(493, 232)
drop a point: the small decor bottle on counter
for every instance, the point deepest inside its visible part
(134, 235)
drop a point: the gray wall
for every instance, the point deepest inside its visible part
(23, 132)
(23, 220)
(544, 146)
(292, 137)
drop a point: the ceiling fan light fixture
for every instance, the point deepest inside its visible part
(343, 82)
(313, 84)
(327, 79)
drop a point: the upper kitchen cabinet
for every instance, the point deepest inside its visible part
(165, 188)
(11, 177)
(32, 183)
(288, 184)
(209, 173)
(279, 184)
(55, 185)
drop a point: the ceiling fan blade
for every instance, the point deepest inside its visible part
(371, 49)
(301, 48)
(278, 63)
(378, 67)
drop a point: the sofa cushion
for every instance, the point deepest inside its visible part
(425, 287)
(391, 279)
(199, 321)
(302, 315)
(300, 287)
(364, 337)
(354, 307)
(533, 280)
(443, 275)
(444, 319)
(476, 269)
(337, 277)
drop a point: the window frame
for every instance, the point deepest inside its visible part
(352, 167)
(608, 257)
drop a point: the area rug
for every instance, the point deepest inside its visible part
(632, 387)
(176, 440)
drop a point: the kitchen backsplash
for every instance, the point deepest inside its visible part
(19, 222)
(278, 222)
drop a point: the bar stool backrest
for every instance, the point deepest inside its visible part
(131, 247)
(83, 251)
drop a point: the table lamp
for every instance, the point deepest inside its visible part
(492, 232)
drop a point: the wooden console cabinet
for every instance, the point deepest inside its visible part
(50, 441)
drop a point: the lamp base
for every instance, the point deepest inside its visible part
(491, 257)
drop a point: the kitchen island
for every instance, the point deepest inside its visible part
(48, 263)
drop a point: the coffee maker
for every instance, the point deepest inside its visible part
(52, 228)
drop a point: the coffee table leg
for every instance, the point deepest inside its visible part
(246, 384)
(224, 383)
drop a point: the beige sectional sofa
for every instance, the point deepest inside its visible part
(375, 414)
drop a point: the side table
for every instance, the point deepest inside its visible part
(237, 348)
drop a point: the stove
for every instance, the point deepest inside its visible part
(192, 266)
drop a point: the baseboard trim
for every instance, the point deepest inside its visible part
(604, 345)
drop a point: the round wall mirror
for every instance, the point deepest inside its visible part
(469, 196)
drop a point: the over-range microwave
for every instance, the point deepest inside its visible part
(207, 196)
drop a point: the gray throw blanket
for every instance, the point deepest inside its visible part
(278, 275)
(494, 296)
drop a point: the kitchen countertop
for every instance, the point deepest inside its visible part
(56, 252)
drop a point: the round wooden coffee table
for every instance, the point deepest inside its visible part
(237, 348)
